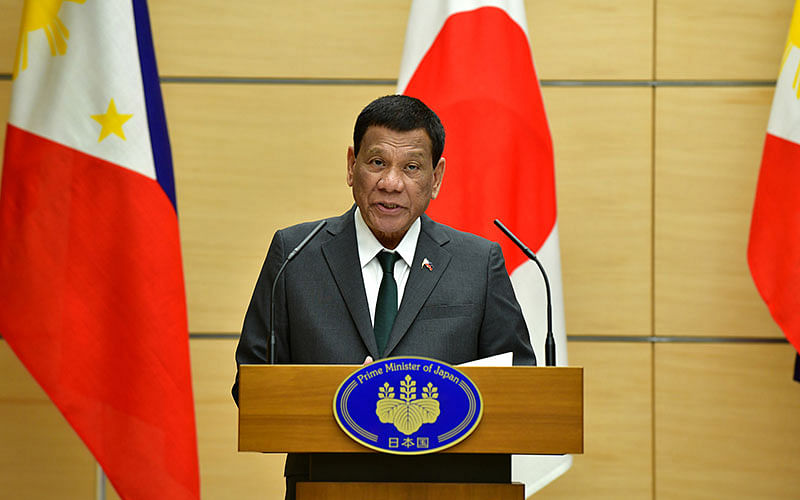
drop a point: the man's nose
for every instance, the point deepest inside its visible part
(391, 180)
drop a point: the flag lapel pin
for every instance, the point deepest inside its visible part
(426, 264)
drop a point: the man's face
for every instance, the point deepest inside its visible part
(393, 180)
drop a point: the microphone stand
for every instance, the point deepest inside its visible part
(291, 256)
(550, 342)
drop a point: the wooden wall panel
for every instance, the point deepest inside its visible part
(708, 152)
(9, 32)
(250, 160)
(617, 459)
(40, 454)
(602, 141)
(720, 39)
(225, 472)
(319, 38)
(331, 39)
(586, 39)
(727, 421)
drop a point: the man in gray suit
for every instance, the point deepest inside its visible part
(384, 279)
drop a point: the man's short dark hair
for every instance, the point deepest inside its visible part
(401, 113)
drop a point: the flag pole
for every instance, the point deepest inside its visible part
(100, 487)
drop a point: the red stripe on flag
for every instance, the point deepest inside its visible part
(92, 302)
(478, 76)
(774, 249)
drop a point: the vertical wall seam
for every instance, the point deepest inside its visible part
(653, 332)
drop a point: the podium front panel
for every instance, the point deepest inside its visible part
(527, 410)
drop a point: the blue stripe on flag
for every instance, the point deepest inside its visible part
(159, 139)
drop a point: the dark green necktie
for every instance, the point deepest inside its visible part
(386, 307)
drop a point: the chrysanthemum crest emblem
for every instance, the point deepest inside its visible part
(408, 413)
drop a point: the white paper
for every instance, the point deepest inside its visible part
(504, 359)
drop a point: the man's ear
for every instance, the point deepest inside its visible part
(351, 164)
(438, 177)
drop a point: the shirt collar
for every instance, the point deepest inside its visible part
(369, 246)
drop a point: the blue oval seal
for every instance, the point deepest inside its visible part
(408, 405)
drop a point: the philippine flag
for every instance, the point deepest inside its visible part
(774, 249)
(471, 62)
(92, 296)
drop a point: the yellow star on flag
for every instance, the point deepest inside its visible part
(111, 122)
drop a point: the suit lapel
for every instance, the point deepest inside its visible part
(341, 255)
(421, 280)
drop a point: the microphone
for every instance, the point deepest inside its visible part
(291, 256)
(550, 342)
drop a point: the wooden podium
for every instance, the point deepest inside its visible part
(527, 410)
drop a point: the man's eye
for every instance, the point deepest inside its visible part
(377, 162)
(412, 167)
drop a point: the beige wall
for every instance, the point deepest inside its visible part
(655, 187)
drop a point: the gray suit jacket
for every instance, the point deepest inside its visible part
(463, 309)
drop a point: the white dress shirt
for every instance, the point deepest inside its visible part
(368, 249)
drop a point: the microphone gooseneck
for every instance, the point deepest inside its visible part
(550, 342)
(291, 256)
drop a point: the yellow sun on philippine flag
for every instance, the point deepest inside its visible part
(41, 15)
